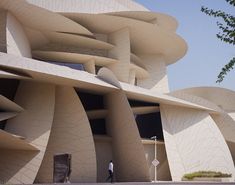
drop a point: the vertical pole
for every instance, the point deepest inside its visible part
(155, 147)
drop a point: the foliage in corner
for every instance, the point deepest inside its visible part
(227, 34)
(208, 174)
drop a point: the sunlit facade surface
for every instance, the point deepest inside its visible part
(89, 78)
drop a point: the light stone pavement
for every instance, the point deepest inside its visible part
(153, 183)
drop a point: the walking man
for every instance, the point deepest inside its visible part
(110, 171)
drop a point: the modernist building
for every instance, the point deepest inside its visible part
(89, 77)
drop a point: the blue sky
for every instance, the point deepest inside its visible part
(206, 54)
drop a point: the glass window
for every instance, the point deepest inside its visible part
(71, 65)
(98, 126)
(150, 125)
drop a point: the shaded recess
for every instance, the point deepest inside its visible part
(8, 88)
(91, 101)
(137, 103)
(14, 71)
(79, 67)
(3, 122)
(97, 68)
(98, 126)
(150, 125)
(75, 66)
(94, 102)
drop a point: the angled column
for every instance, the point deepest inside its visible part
(70, 133)
(226, 124)
(193, 142)
(129, 156)
(90, 66)
(121, 52)
(158, 80)
(34, 124)
(132, 77)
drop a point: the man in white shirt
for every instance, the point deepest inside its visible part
(110, 171)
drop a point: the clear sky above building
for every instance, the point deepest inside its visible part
(206, 54)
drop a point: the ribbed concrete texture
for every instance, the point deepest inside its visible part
(89, 78)
(156, 67)
(121, 39)
(34, 124)
(17, 41)
(128, 151)
(189, 155)
(71, 134)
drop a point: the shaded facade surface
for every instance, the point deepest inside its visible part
(90, 79)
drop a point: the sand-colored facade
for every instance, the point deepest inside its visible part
(89, 77)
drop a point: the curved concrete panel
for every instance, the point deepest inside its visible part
(145, 110)
(36, 38)
(165, 21)
(8, 105)
(96, 114)
(12, 142)
(128, 152)
(145, 38)
(72, 57)
(156, 67)
(226, 125)
(108, 76)
(16, 166)
(17, 41)
(140, 73)
(193, 142)
(52, 73)
(76, 40)
(70, 133)
(34, 124)
(223, 98)
(7, 115)
(42, 19)
(90, 66)
(132, 77)
(88, 6)
(4, 74)
(136, 60)
(138, 93)
(231, 146)
(197, 100)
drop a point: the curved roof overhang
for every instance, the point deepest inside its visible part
(51, 73)
(40, 18)
(76, 40)
(66, 57)
(140, 72)
(223, 98)
(61, 75)
(138, 93)
(164, 21)
(197, 100)
(146, 38)
(136, 60)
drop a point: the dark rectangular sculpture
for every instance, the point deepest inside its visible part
(62, 168)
